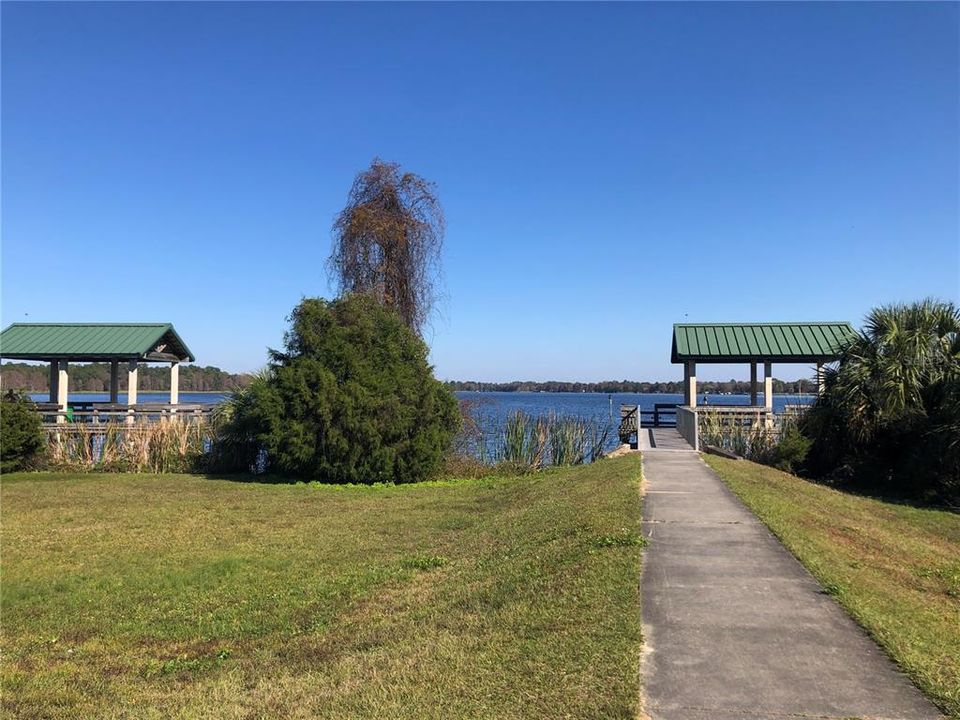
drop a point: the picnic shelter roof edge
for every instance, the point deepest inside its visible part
(785, 342)
(89, 342)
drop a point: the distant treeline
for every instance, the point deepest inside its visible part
(95, 377)
(630, 386)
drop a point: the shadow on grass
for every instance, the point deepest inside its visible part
(860, 487)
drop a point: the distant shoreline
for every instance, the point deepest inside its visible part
(623, 392)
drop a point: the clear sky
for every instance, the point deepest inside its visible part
(606, 169)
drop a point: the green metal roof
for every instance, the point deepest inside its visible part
(85, 342)
(759, 342)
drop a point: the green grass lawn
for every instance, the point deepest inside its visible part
(895, 568)
(179, 596)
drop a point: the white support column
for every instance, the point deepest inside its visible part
(63, 386)
(114, 381)
(819, 378)
(131, 389)
(690, 383)
(768, 386)
(753, 384)
(174, 385)
(54, 381)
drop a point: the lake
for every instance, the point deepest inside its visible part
(498, 405)
(591, 406)
(491, 409)
(599, 406)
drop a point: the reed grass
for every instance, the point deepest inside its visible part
(163, 447)
(754, 437)
(528, 440)
(567, 441)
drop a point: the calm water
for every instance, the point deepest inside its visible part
(498, 405)
(491, 409)
(598, 406)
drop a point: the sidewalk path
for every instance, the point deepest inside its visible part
(735, 627)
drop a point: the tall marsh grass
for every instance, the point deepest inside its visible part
(145, 447)
(531, 441)
(752, 436)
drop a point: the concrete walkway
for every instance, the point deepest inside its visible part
(735, 627)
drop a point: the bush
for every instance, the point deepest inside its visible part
(352, 399)
(791, 450)
(21, 433)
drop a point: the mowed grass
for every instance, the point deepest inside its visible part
(895, 568)
(184, 597)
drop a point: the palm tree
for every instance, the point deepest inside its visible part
(895, 391)
(886, 372)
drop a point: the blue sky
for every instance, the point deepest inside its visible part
(606, 169)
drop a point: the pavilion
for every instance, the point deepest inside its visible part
(129, 343)
(814, 343)
(754, 343)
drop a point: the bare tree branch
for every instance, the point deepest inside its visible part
(388, 239)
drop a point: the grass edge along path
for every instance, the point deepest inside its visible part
(894, 568)
(178, 596)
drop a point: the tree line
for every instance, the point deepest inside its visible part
(95, 377)
(630, 386)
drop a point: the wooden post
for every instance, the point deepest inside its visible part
(114, 381)
(753, 384)
(131, 389)
(768, 386)
(63, 386)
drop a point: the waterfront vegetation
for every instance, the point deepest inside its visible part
(889, 418)
(21, 435)
(534, 441)
(350, 399)
(776, 441)
(521, 443)
(168, 447)
(180, 596)
(895, 568)
(887, 421)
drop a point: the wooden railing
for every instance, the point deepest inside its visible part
(711, 424)
(94, 414)
(663, 415)
(629, 422)
(632, 418)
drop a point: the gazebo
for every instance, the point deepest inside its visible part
(754, 343)
(129, 343)
(815, 343)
